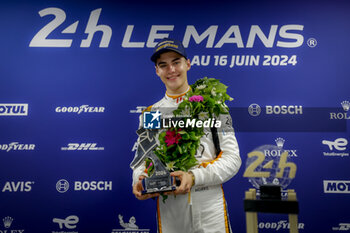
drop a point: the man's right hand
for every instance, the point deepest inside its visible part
(138, 188)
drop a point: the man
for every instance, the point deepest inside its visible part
(198, 204)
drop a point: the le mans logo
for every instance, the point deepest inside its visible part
(151, 120)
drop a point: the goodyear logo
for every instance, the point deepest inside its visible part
(167, 45)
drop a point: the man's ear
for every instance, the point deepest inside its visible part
(188, 63)
(156, 67)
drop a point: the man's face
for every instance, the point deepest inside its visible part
(172, 69)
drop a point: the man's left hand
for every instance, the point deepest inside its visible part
(186, 182)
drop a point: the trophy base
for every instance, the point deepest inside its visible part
(159, 190)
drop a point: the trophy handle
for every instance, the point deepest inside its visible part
(146, 143)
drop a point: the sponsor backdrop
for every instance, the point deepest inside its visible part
(75, 75)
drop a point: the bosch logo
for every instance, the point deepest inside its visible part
(254, 109)
(284, 109)
(62, 186)
(93, 186)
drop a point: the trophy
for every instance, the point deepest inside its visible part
(160, 180)
(269, 170)
(270, 173)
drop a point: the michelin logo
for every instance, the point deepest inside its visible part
(336, 186)
(129, 227)
(81, 109)
(13, 109)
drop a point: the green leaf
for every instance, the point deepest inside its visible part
(179, 149)
(185, 136)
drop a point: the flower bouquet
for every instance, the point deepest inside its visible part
(177, 146)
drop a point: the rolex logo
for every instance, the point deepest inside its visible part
(7, 221)
(279, 142)
(346, 105)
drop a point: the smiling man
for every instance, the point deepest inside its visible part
(172, 69)
(198, 205)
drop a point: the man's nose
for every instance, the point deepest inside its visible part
(171, 68)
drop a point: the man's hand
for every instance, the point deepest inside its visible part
(138, 188)
(186, 182)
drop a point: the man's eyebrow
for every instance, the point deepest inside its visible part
(163, 62)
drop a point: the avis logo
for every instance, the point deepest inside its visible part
(69, 222)
(82, 146)
(151, 120)
(40, 38)
(13, 109)
(336, 186)
(20, 186)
